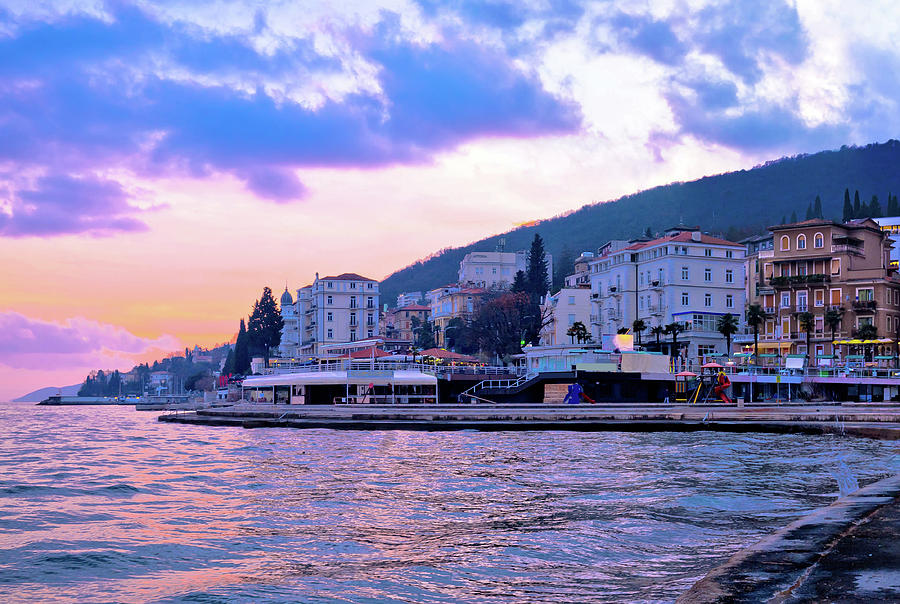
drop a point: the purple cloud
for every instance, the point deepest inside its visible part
(81, 95)
(30, 343)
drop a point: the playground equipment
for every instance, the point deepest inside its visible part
(576, 394)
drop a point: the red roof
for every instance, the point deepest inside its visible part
(440, 353)
(346, 277)
(684, 237)
(412, 307)
(367, 353)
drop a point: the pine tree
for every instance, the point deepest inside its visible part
(648, 233)
(228, 368)
(809, 211)
(874, 207)
(848, 207)
(793, 216)
(536, 274)
(563, 267)
(519, 283)
(266, 323)
(857, 206)
(817, 208)
(892, 209)
(242, 351)
(783, 219)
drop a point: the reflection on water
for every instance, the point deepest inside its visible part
(106, 504)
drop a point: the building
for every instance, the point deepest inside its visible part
(568, 306)
(819, 265)
(891, 226)
(408, 299)
(290, 333)
(496, 270)
(582, 275)
(452, 302)
(331, 310)
(685, 276)
(399, 322)
(757, 250)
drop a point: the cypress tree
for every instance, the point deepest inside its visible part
(242, 351)
(794, 216)
(536, 273)
(809, 211)
(848, 207)
(228, 368)
(817, 208)
(783, 219)
(892, 209)
(857, 206)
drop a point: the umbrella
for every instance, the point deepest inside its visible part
(711, 366)
(686, 374)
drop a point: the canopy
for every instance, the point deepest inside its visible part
(774, 345)
(858, 342)
(711, 366)
(883, 358)
(685, 374)
(312, 378)
(367, 353)
(446, 355)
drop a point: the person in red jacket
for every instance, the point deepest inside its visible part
(722, 384)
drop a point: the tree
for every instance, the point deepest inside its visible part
(503, 322)
(673, 329)
(848, 207)
(638, 326)
(833, 318)
(657, 331)
(564, 264)
(809, 211)
(857, 205)
(519, 282)
(242, 351)
(806, 320)
(264, 328)
(867, 332)
(756, 315)
(892, 207)
(817, 208)
(536, 280)
(228, 367)
(579, 332)
(727, 325)
(458, 336)
(648, 233)
(783, 219)
(793, 216)
(424, 333)
(874, 207)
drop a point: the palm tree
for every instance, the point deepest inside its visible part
(657, 331)
(579, 331)
(673, 329)
(727, 325)
(833, 318)
(806, 319)
(756, 315)
(638, 326)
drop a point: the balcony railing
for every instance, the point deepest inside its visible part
(799, 280)
(864, 305)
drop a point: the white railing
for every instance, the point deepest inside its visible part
(367, 364)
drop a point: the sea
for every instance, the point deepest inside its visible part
(105, 504)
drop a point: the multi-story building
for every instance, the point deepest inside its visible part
(496, 270)
(582, 275)
(819, 265)
(408, 299)
(685, 276)
(757, 250)
(891, 226)
(452, 302)
(399, 322)
(568, 306)
(332, 310)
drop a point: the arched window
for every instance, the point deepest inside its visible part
(801, 242)
(819, 241)
(785, 243)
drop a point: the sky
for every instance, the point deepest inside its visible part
(160, 163)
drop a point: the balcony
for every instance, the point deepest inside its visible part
(786, 308)
(797, 280)
(656, 310)
(856, 250)
(657, 284)
(595, 319)
(864, 306)
(770, 310)
(801, 308)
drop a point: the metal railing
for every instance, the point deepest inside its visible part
(367, 364)
(498, 384)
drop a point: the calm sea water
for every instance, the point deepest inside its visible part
(104, 504)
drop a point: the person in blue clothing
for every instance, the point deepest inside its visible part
(573, 397)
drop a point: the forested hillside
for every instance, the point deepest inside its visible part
(735, 204)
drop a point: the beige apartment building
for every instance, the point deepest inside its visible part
(398, 322)
(817, 265)
(496, 270)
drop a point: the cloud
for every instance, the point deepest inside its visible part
(650, 37)
(30, 343)
(83, 95)
(62, 204)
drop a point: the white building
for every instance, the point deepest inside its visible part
(332, 310)
(567, 306)
(685, 277)
(496, 270)
(408, 299)
(290, 334)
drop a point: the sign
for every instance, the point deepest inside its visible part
(370, 374)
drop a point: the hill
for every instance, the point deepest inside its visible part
(39, 395)
(734, 205)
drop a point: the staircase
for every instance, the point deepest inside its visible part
(494, 387)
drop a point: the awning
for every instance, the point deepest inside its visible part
(861, 342)
(775, 345)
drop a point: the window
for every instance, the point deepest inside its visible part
(801, 302)
(705, 349)
(330, 285)
(371, 319)
(571, 320)
(785, 299)
(330, 334)
(801, 242)
(729, 301)
(865, 295)
(818, 241)
(571, 300)
(729, 276)
(707, 274)
(707, 299)
(329, 316)
(729, 254)
(370, 302)
(641, 302)
(329, 300)
(352, 301)
(820, 297)
(494, 270)
(835, 266)
(368, 286)
(352, 285)
(352, 335)
(685, 299)
(353, 318)
(785, 243)
(708, 253)
(369, 333)
(684, 273)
